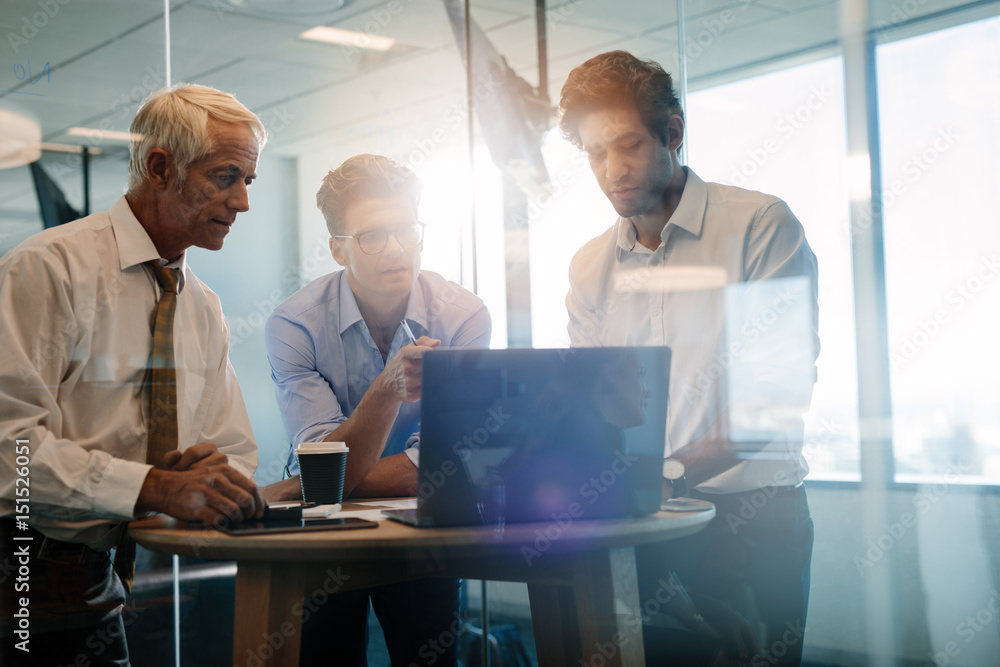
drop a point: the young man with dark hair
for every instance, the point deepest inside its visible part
(345, 370)
(726, 278)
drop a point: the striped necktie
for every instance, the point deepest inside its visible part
(162, 381)
(163, 374)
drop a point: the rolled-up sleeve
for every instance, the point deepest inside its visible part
(309, 407)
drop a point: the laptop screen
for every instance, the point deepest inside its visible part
(538, 434)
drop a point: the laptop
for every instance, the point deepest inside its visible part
(522, 435)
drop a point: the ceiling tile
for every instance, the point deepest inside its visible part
(619, 16)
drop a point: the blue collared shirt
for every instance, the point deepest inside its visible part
(323, 357)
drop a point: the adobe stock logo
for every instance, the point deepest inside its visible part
(30, 28)
(958, 298)
(893, 533)
(786, 127)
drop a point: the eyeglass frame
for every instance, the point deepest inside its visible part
(419, 225)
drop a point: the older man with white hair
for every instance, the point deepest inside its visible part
(117, 397)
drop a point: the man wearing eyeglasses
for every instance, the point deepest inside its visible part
(345, 370)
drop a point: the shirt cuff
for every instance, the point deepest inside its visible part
(292, 462)
(412, 450)
(242, 466)
(117, 487)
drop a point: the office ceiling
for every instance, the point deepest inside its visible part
(92, 61)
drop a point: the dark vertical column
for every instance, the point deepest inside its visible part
(543, 48)
(470, 105)
(85, 156)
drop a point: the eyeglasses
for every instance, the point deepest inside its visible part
(374, 241)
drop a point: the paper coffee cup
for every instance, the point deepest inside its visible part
(321, 471)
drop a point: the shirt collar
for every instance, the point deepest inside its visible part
(689, 214)
(416, 310)
(350, 314)
(134, 245)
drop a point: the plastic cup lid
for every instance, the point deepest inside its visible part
(321, 448)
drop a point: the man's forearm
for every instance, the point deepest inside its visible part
(708, 456)
(365, 433)
(716, 452)
(393, 476)
(286, 489)
(704, 459)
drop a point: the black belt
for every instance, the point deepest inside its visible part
(45, 548)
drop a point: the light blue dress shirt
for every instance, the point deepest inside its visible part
(323, 357)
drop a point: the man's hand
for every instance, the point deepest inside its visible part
(401, 377)
(286, 489)
(202, 455)
(367, 429)
(210, 493)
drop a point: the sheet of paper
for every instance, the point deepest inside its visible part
(401, 504)
(370, 515)
(319, 511)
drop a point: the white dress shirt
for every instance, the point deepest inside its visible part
(75, 339)
(732, 290)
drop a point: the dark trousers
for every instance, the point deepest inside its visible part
(754, 556)
(75, 601)
(420, 621)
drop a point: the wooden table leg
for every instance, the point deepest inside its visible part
(606, 595)
(596, 622)
(553, 618)
(268, 622)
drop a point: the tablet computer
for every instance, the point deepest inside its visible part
(295, 525)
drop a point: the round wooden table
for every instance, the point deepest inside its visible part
(581, 575)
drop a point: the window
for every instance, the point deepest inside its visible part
(758, 133)
(939, 105)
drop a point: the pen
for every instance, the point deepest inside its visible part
(409, 332)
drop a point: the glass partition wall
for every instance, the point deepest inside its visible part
(875, 121)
